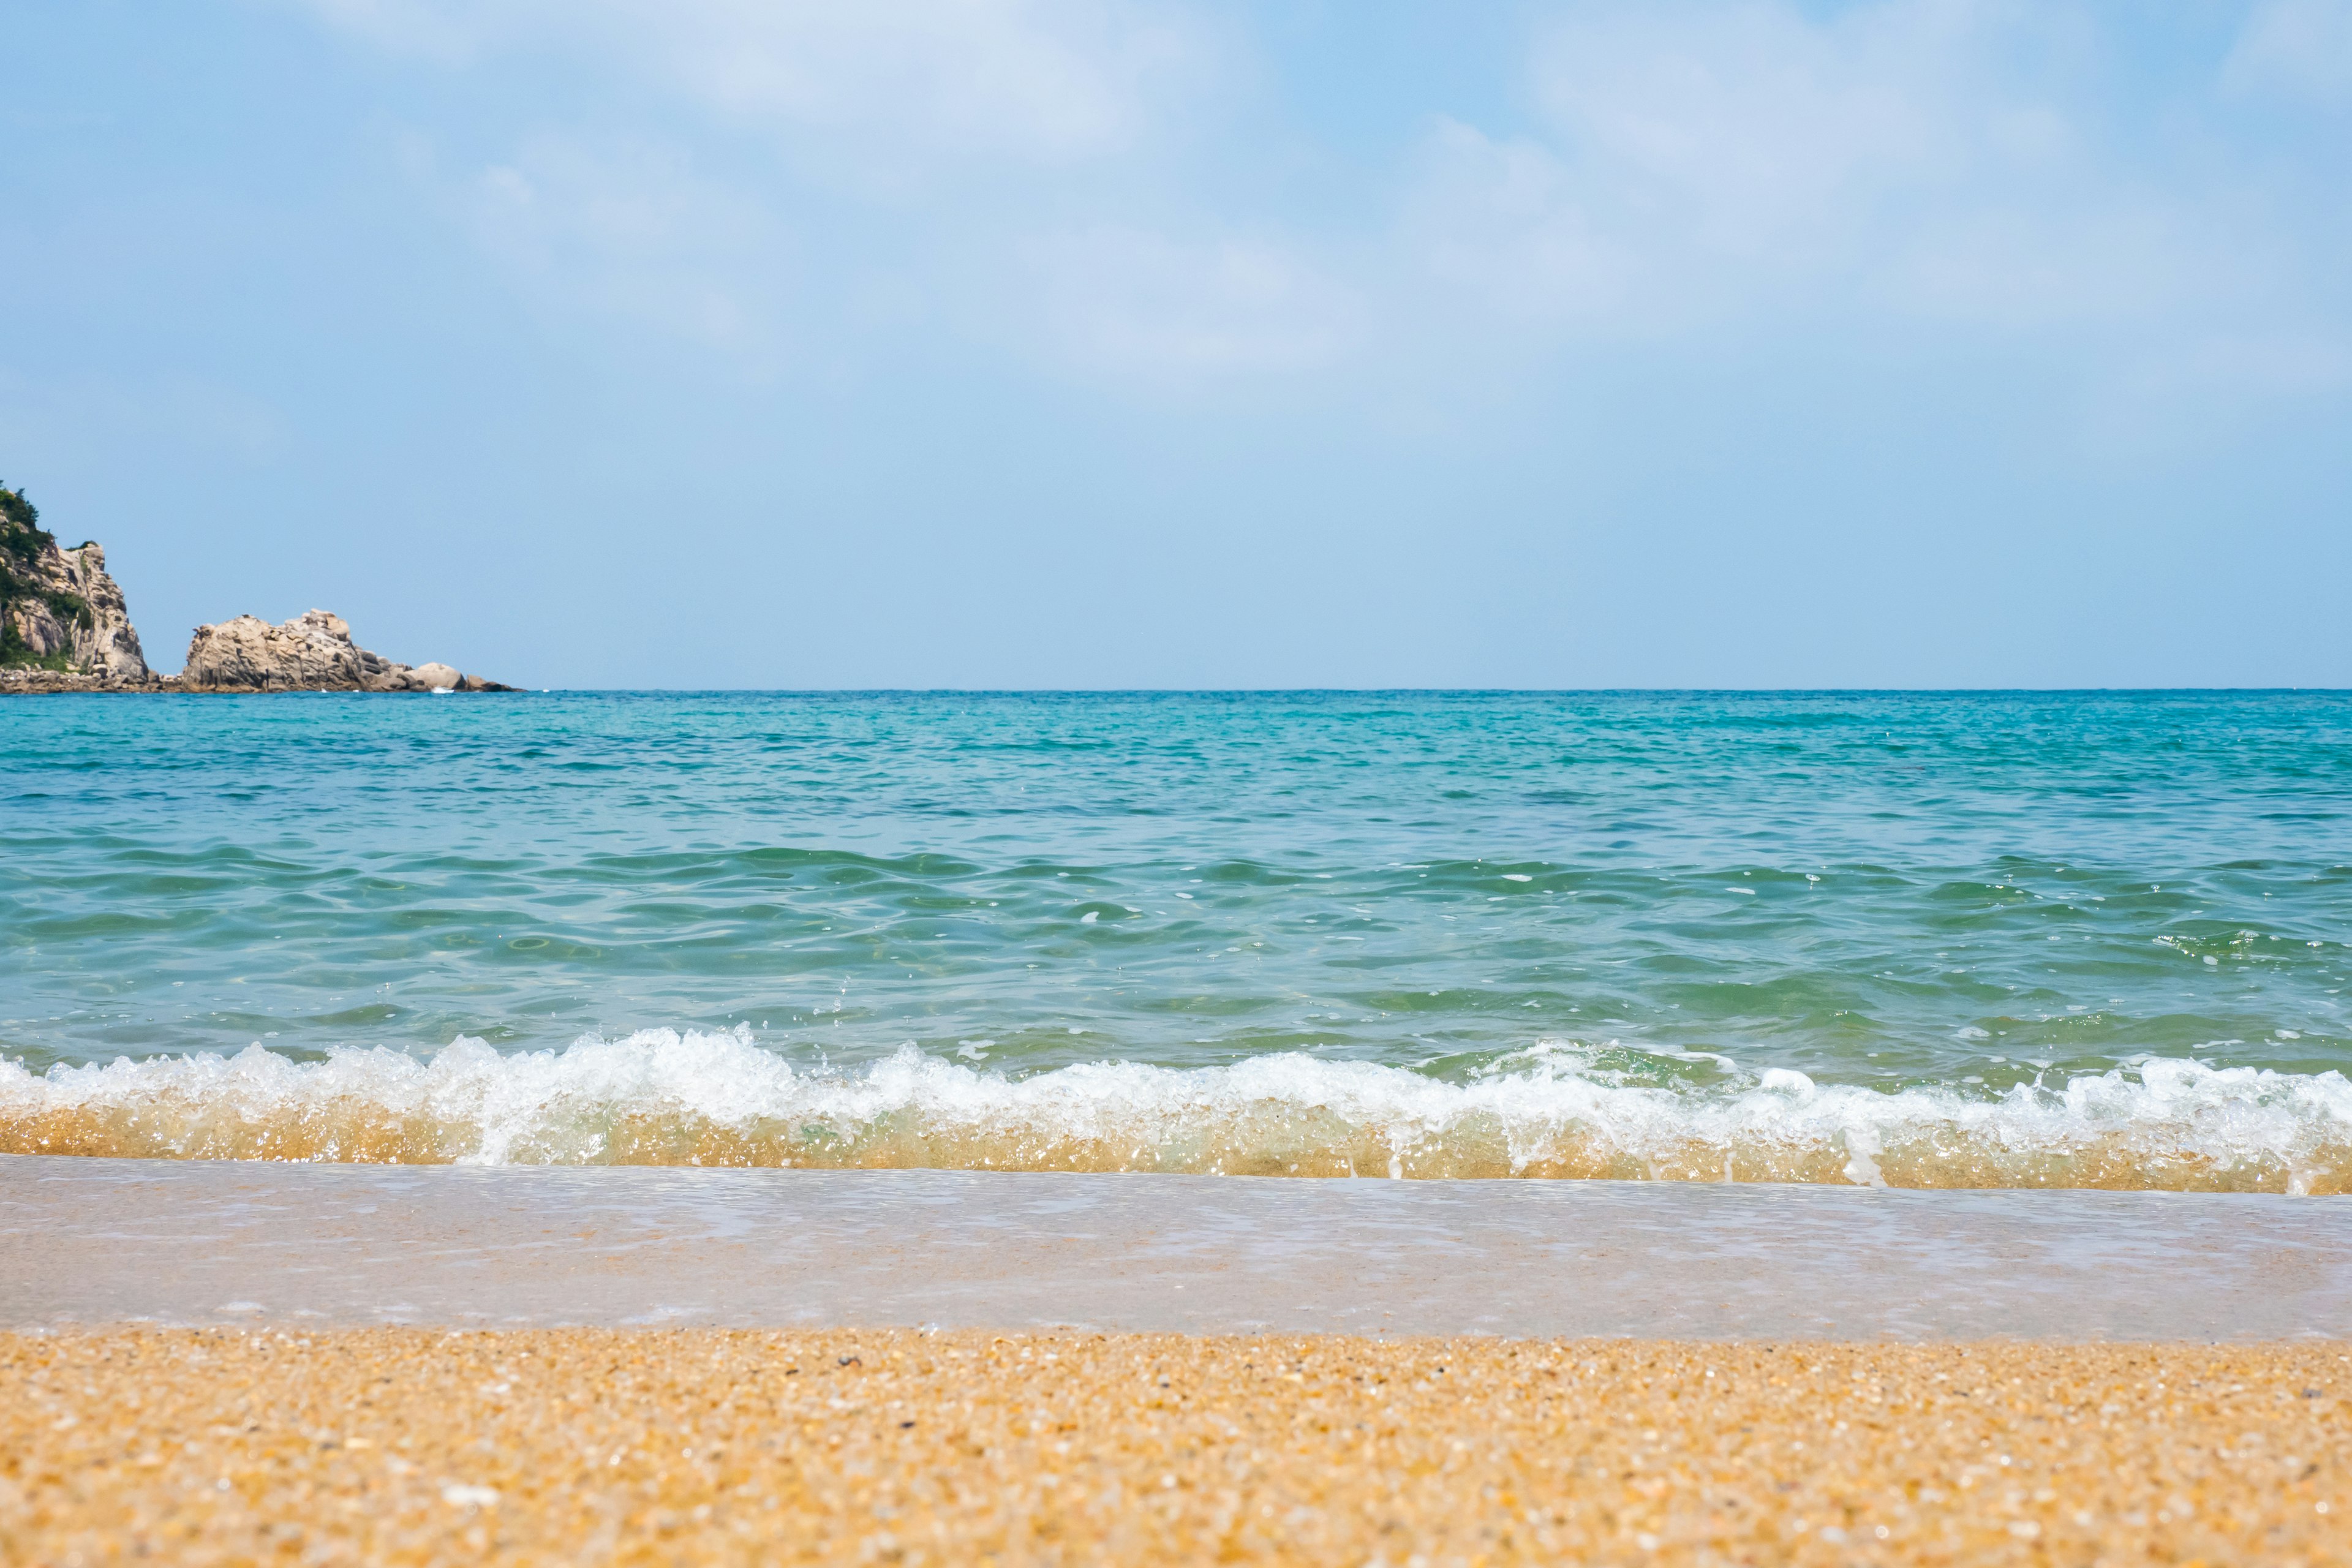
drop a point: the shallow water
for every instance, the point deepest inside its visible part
(1920, 939)
(211, 1242)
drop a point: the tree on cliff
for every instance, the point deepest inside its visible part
(24, 544)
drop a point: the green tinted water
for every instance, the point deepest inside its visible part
(1604, 931)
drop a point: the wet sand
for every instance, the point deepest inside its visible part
(191, 1243)
(692, 1445)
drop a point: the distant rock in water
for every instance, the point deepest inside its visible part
(312, 652)
(64, 628)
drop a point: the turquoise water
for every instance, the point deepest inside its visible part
(2007, 939)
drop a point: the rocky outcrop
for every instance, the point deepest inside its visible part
(108, 644)
(60, 614)
(312, 652)
(64, 628)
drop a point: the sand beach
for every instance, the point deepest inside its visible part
(213, 1361)
(708, 1446)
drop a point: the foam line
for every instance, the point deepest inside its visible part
(665, 1098)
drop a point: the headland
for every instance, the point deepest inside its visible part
(64, 627)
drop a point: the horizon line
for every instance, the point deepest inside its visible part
(1384, 691)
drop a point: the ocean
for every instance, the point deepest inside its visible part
(1983, 940)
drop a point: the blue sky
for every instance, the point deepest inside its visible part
(1137, 342)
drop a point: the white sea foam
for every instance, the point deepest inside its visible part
(662, 1097)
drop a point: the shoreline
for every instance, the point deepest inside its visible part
(709, 1446)
(87, 1240)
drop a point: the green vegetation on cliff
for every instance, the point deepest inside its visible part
(23, 543)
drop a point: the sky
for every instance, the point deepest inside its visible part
(1110, 344)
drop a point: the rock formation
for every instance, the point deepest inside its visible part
(64, 628)
(312, 652)
(60, 614)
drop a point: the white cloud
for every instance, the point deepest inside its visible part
(2129, 258)
(1055, 81)
(1138, 302)
(631, 229)
(2295, 48)
(1503, 221)
(429, 30)
(884, 85)
(1938, 159)
(1021, 172)
(912, 145)
(1748, 129)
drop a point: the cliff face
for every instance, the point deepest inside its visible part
(312, 652)
(65, 627)
(108, 645)
(59, 612)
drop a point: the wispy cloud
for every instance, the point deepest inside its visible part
(1698, 159)
(1130, 300)
(1695, 165)
(898, 86)
(1050, 81)
(932, 143)
(2297, 49)
(632, 228)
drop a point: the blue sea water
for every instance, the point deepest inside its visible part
(1918, 938)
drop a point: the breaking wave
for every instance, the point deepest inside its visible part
(663, 1098)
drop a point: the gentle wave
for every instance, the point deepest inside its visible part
(663, 1098)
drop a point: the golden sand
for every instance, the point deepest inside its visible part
(400, 1446)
